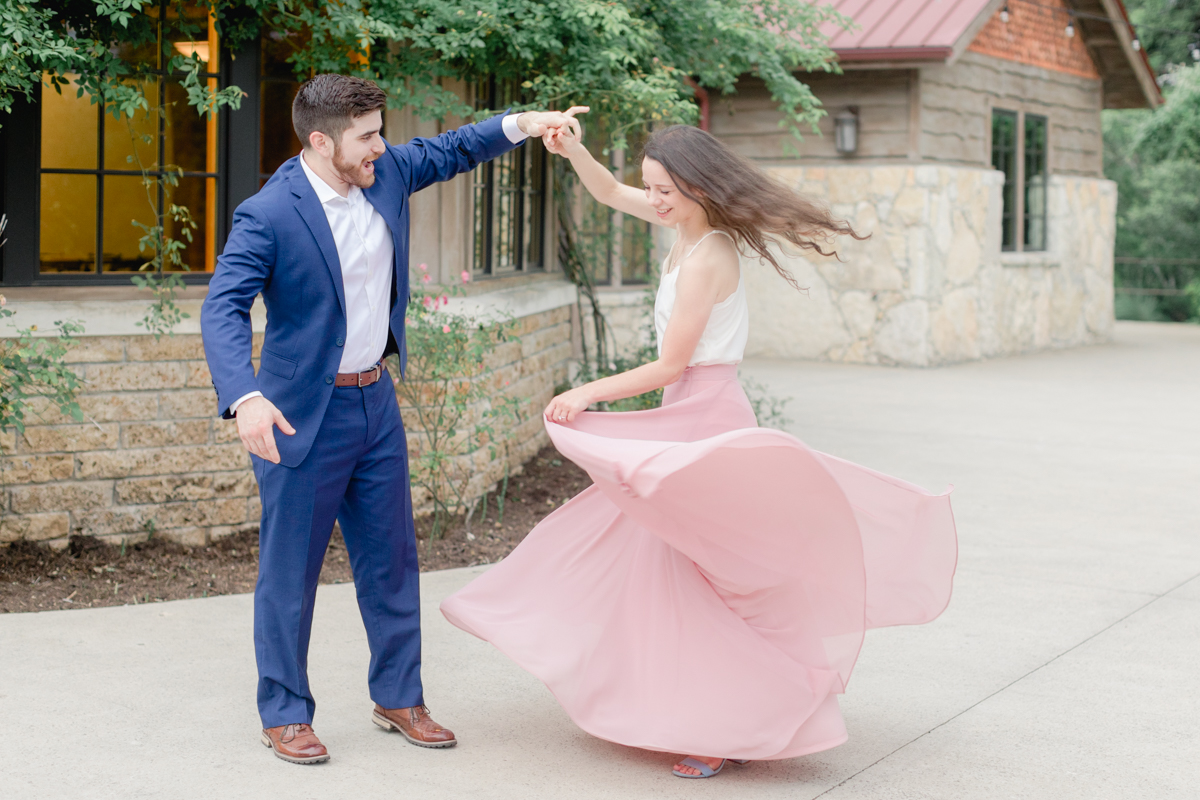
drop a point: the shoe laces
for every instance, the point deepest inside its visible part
(290, 732)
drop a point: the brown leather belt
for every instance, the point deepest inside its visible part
(359, 378)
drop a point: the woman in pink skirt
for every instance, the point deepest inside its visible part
(709, 593)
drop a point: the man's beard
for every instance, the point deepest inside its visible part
(352, 173)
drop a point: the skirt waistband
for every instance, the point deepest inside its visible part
(710, 372)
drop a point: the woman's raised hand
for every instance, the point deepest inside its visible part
(563, 140)
(543, 123)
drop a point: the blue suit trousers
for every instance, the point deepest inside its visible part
(356, 473)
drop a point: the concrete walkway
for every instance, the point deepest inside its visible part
(1067, 666)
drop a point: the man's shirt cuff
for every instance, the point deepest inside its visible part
(233, 408)
(514, 133)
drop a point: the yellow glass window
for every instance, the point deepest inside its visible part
(94, 167)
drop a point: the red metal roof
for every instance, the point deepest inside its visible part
(912, 29)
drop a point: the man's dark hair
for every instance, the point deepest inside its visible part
(330, 104)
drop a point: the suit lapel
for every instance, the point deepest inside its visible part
(314, 216)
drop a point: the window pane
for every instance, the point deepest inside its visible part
(1004, 159)
(279, 141)
(141, 54)
(480, 253)
(534, 211)
(1036, 178)
(130, 139)
(68, 128)
(192, 194)
(187, 133)
(505, 219)
(126, 199)
(277, 47)
(636, 240)
(68, 223)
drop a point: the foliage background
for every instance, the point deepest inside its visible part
(1154, 157)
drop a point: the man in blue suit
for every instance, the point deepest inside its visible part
(325, 242)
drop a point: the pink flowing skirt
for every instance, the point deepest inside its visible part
(709, 593)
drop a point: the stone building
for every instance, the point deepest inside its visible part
(976, 167)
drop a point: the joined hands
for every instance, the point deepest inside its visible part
(547, 123)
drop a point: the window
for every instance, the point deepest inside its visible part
(1019, 150)
(277, 89)
(1035, 183)
(90, 175)
(72, 182)
(1004, 159)
(509, 195)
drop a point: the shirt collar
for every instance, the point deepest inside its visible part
(325, 193)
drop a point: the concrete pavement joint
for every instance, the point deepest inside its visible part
(1010, 684)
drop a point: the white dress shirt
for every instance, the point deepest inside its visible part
(365, 250)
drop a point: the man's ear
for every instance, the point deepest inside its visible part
(321, 143)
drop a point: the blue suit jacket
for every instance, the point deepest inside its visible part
(281, 246)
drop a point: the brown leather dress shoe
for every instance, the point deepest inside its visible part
(295, 743)
(415, 724)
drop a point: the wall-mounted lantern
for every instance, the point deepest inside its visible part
(845, 131)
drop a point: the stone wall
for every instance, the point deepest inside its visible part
(931, 286)
(153, 456)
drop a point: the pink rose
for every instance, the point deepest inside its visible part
(445, 329)
(422, 267)
(426, 278)
(466, 276)
(427, 301)
(444, 300)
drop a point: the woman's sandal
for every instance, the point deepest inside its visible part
(705, 770)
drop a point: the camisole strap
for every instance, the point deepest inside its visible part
(701, 239)
(697, 244)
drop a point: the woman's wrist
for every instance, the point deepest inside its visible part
(587, 392)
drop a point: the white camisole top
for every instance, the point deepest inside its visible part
(724, 338)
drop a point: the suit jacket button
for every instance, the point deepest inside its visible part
(340, 341)
(329, 379)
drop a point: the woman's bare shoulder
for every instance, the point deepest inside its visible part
(715, 258)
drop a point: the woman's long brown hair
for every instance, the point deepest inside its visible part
(740, 198)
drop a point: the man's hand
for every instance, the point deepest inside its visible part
(256, 421)
(537, 123)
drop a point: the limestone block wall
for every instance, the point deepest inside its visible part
(153, 456)
(931, 286)
(530, 368)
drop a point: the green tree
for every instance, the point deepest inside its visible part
(1167, 29)
(1154, 157)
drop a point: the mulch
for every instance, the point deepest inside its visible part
(90, 573)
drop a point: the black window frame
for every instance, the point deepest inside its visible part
(21, 170)
(1005, 133)
(1036, 153)
(529, 159)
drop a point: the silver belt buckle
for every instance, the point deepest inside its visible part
(377, 369)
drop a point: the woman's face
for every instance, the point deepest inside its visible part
(665, 198)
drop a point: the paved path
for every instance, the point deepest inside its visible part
(1066, 666)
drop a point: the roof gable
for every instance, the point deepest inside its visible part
(1035, 34)
(940, 31)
